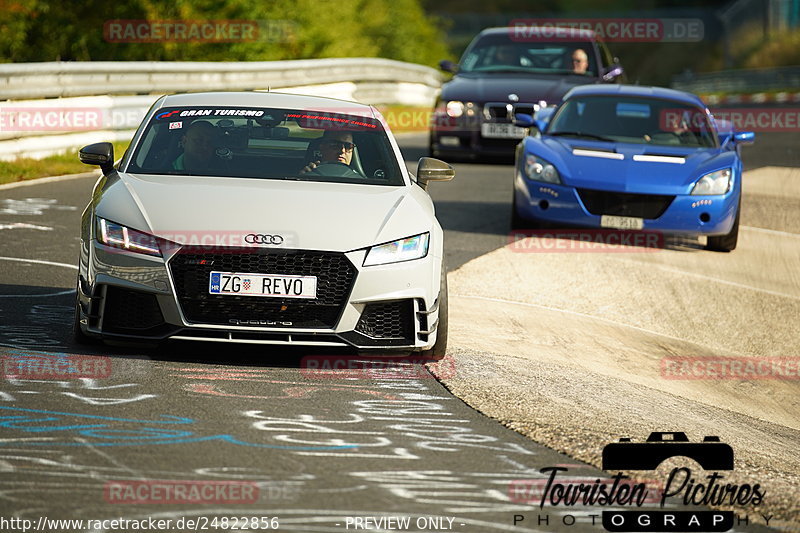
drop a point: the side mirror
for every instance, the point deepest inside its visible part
(430, 169)
(523, 120)
(613, 72)
(744, 137)
(448, 66)
(101, 154)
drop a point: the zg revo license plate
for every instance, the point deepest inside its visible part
(270, 285)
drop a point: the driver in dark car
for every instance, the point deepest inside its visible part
(334, 147)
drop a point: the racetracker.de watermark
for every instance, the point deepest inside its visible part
(631, 30)
(246, 239)
(211, 241)
(66, 118)
(366, 367)
(180, 492)
(758, 119)
(198, 31)
(716, 368)
(585, 241)
(21, 364)
(45, 118)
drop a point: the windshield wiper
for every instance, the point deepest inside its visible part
(580, 134)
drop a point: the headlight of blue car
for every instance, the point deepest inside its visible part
(538, 169)
(718, 182)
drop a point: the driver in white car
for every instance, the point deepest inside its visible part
(334, 147)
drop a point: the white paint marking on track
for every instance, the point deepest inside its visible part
(111, 460)
(37, 262)
(61, 293)
(50, 179)
(25, 225)
(32, 206)
(772, 231)
(578, 313)
(725, 282)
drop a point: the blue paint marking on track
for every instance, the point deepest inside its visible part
(125, 436)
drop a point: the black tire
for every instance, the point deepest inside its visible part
(517, 222)
(726, 243)
(439, 349)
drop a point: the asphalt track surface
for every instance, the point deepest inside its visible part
(318, 454)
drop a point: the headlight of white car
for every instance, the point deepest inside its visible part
(539, 169)
(406, 249)
(718, 182)
(119, 236)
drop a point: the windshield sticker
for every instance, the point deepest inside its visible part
(326, 122)
(175, 125)
(210, 113)
(166, 114)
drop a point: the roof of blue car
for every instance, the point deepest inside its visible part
(635, 90)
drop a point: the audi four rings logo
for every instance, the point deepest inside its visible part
(260, 238)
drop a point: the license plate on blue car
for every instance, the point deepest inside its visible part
(610, 221)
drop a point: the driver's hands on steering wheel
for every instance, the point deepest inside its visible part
(311, 166)
(331, 169)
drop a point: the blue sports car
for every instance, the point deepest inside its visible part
(634, 158)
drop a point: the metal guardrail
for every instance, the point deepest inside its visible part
(739, 81)
(116, 96)
(67, 79)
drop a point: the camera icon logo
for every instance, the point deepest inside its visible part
(711, 454)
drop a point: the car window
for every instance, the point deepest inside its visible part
(266, 143)
(605, 55)
(634, 120)
(500, 54)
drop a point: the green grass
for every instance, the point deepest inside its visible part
(27, 169)
(780, 50)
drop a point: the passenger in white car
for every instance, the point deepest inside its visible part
(198, 148)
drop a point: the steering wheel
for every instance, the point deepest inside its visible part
(336, 169)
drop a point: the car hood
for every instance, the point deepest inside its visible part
(308, 215)
(496, 87)
(671, 170)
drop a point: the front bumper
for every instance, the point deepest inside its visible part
(129, 296)
(462, 137)
(678, 214)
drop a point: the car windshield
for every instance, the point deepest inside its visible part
(501, 54)
(633, 120)
(265, 143)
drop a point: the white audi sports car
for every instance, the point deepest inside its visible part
(259, 217)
